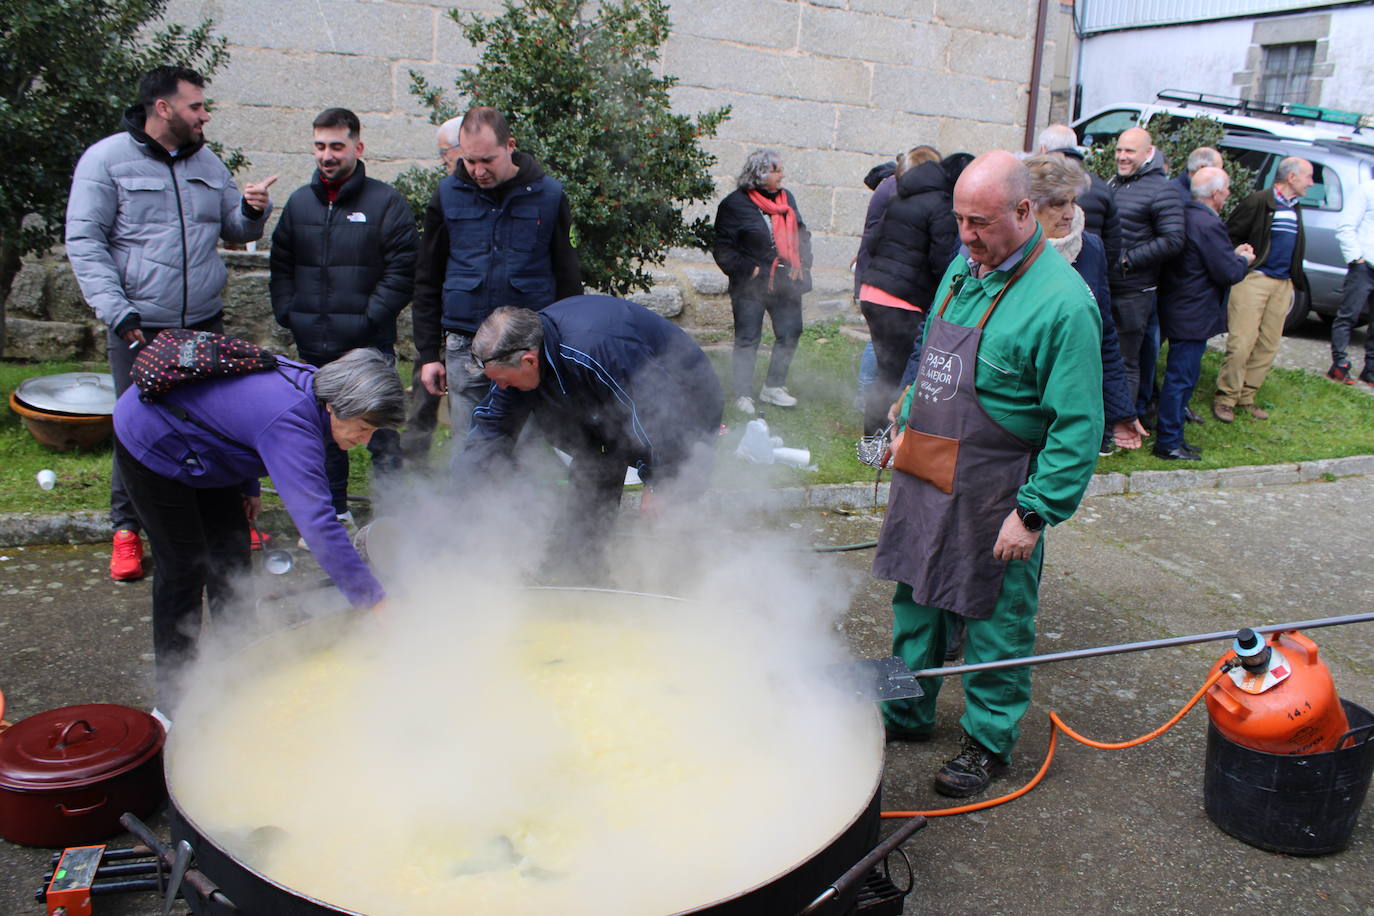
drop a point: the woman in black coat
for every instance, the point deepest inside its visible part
(908, 252)
(1056, 182)
(763, 246)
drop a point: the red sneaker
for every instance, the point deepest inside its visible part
(126, 559)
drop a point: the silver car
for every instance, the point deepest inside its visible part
(1336, 166)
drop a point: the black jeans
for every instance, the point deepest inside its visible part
(786, 312)
(200, 541)
(1355, 295)
(1131, 309)
(896, 335)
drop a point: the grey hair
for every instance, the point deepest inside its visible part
(448, 132)
(506, 333)
(756, 168)
(1203, 157)
(1057, 137)
(1053, 177)
(1288, 167)
(363, 384)
(1205, 185)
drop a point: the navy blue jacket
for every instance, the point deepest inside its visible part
(614, 376)
(1194, 287)
(483, 248)
(1091, 264)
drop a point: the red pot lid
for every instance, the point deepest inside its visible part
(76, 746)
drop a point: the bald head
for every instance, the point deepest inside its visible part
(1211, 186)
(992, 207)
(1134, 148)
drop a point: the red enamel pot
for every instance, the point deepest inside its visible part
(66, 775)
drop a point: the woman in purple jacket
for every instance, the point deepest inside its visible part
(192, 458)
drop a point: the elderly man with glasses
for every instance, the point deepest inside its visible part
(612, 384)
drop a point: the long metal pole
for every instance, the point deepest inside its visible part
(951, 670)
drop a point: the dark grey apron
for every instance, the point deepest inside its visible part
(943, 520)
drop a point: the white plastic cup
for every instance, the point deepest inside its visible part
(47, 479)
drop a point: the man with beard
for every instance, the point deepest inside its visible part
(496, 232)
(147, 208)
(343, 268)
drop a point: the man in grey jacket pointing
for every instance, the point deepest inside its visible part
(147, 208)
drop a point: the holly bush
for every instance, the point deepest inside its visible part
(579, 90)
(1176, 138)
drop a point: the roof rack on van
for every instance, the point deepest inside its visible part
(1287, 111)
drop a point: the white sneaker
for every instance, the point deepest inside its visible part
(778, 397)
(745, 405)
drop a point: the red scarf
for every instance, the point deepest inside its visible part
(786, 238)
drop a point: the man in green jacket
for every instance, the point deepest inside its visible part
(1003, 424)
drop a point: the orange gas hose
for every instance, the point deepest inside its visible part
(1056, 726)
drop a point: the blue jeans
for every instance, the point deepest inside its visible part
(1180, 378)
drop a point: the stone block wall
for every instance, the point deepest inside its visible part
(835, 85)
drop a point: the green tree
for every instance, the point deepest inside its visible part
(68, 69)
(581, 95)
(1176, 138)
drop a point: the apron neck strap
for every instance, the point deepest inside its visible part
(1021, 268)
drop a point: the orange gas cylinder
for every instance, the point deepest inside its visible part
(1280, 699)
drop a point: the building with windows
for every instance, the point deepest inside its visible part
(1316, 53)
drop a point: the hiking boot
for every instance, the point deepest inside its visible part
(778, 397)
(1223, 412)
(1257, 412)
(745, 405)
(969, 772)
(1340, 372)
(1367, 376)
(126, 556)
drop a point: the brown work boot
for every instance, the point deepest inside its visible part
(1259, 413)
(1223, 412)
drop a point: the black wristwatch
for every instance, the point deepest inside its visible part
(1030, 518)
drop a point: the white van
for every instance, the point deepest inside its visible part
(1292, 122)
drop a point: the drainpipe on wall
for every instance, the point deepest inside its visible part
(1036, 58)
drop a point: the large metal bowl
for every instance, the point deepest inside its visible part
(227, 856)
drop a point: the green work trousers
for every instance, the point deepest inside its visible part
(994, 701)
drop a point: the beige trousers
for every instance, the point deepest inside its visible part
(1254, 328)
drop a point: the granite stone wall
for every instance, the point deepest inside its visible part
(835, 85)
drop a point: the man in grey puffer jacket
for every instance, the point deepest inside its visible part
(147, 208)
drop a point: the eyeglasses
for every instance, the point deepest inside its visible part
(478, 364)
(445, 150)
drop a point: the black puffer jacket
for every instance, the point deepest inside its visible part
(744, 241)
(917, 238)
(1151, 226)
(342, 272)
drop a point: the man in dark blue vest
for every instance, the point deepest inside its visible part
(496, 233)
